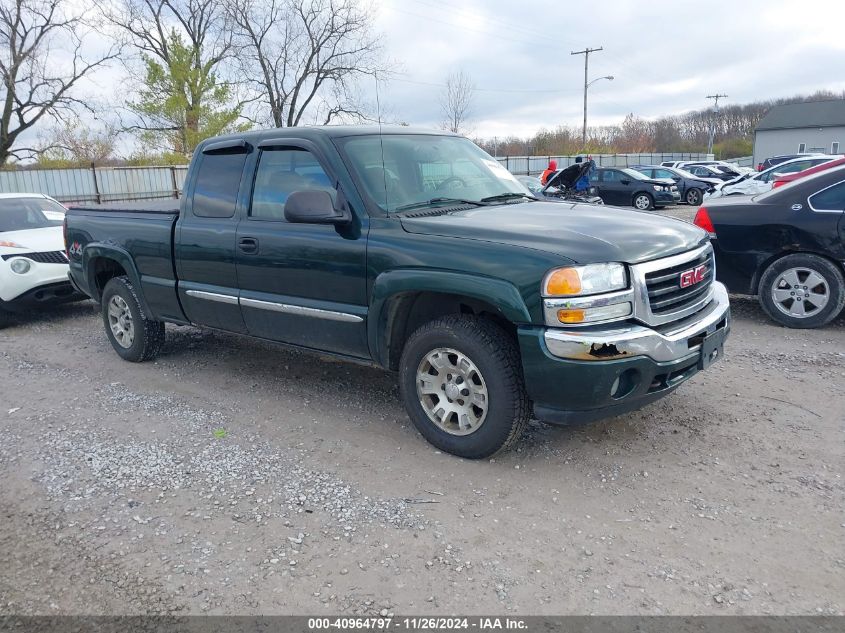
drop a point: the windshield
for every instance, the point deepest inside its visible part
(21, 214)
(418, 170)
(634, 174)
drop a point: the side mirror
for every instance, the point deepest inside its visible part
(676, 178)
(313, 207)
(625, 182)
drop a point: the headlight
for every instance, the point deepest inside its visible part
(658, 187)
(581, 295)
(578, 281)
(20, 266)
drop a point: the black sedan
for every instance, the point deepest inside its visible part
(786, 245)
(692, 188)
(627, 187)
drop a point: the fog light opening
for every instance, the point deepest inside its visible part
(624, 384)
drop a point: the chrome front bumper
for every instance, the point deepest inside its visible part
(670, 342)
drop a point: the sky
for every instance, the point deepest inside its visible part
(665, 57)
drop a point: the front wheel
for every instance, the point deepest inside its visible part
(694, 197)
(132, 335)
(643, 201)
(802, 291)
(461, 383)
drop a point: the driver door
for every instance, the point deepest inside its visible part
(303, 284)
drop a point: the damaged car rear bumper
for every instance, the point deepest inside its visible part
(581, 375)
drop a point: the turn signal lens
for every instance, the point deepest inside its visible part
(564, 281)
(570, 316)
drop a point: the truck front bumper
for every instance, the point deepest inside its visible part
(580, 375)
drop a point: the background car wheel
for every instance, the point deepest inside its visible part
(461, 383)
(132, 335)
(802, 291)
(693, 197)
(643, 201)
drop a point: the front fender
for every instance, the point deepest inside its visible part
(503, 295)
(96, 251)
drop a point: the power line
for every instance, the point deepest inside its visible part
(495, 90)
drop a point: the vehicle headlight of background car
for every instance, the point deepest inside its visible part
(586, 294)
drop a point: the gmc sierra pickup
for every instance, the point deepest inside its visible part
(415, 251)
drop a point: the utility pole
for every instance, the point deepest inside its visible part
(586, 53)
(712, 134)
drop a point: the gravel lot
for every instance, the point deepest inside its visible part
(233, 476)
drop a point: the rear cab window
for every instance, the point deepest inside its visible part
(218, 181)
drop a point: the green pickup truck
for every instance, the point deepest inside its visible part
(415, 251)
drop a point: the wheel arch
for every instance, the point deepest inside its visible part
(405, 300)
(102, 262)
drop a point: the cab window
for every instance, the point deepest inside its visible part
(218, 181)
(281, 172)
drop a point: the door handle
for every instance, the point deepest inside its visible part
(248, 244)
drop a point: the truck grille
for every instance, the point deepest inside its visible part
(665, 292)
(52, 257)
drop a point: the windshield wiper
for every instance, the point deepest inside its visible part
(508, 196)
(434, 201)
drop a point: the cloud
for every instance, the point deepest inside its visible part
(665, 56)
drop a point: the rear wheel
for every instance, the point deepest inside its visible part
(461, 383)
(693, 197)
(643, 201)
(132, 335)
(802, 291)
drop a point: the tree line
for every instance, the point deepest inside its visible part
(688, 132)
(193, 68)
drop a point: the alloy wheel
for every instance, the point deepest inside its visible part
(800, 292)
(452, 391)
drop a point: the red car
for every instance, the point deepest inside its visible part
(785, 179)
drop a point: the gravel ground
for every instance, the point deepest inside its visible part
(234, 476)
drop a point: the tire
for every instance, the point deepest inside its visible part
(819, 295)
(642, 201)
(485, 360)
(132, 335)
(5, 318)
(693, 197)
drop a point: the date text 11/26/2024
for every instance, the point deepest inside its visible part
(416, 623)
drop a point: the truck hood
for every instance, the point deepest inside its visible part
(33, 240)
(583, 233)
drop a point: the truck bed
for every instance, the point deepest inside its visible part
(143, 231)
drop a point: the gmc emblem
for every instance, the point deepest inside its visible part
(693, 276)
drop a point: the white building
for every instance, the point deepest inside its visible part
(814, 126)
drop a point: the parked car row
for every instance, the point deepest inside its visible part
(760, 182)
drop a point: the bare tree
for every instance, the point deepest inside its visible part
(41, 63)
(183, 45)
(456, 102)
(78, 143)
(303, 57)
